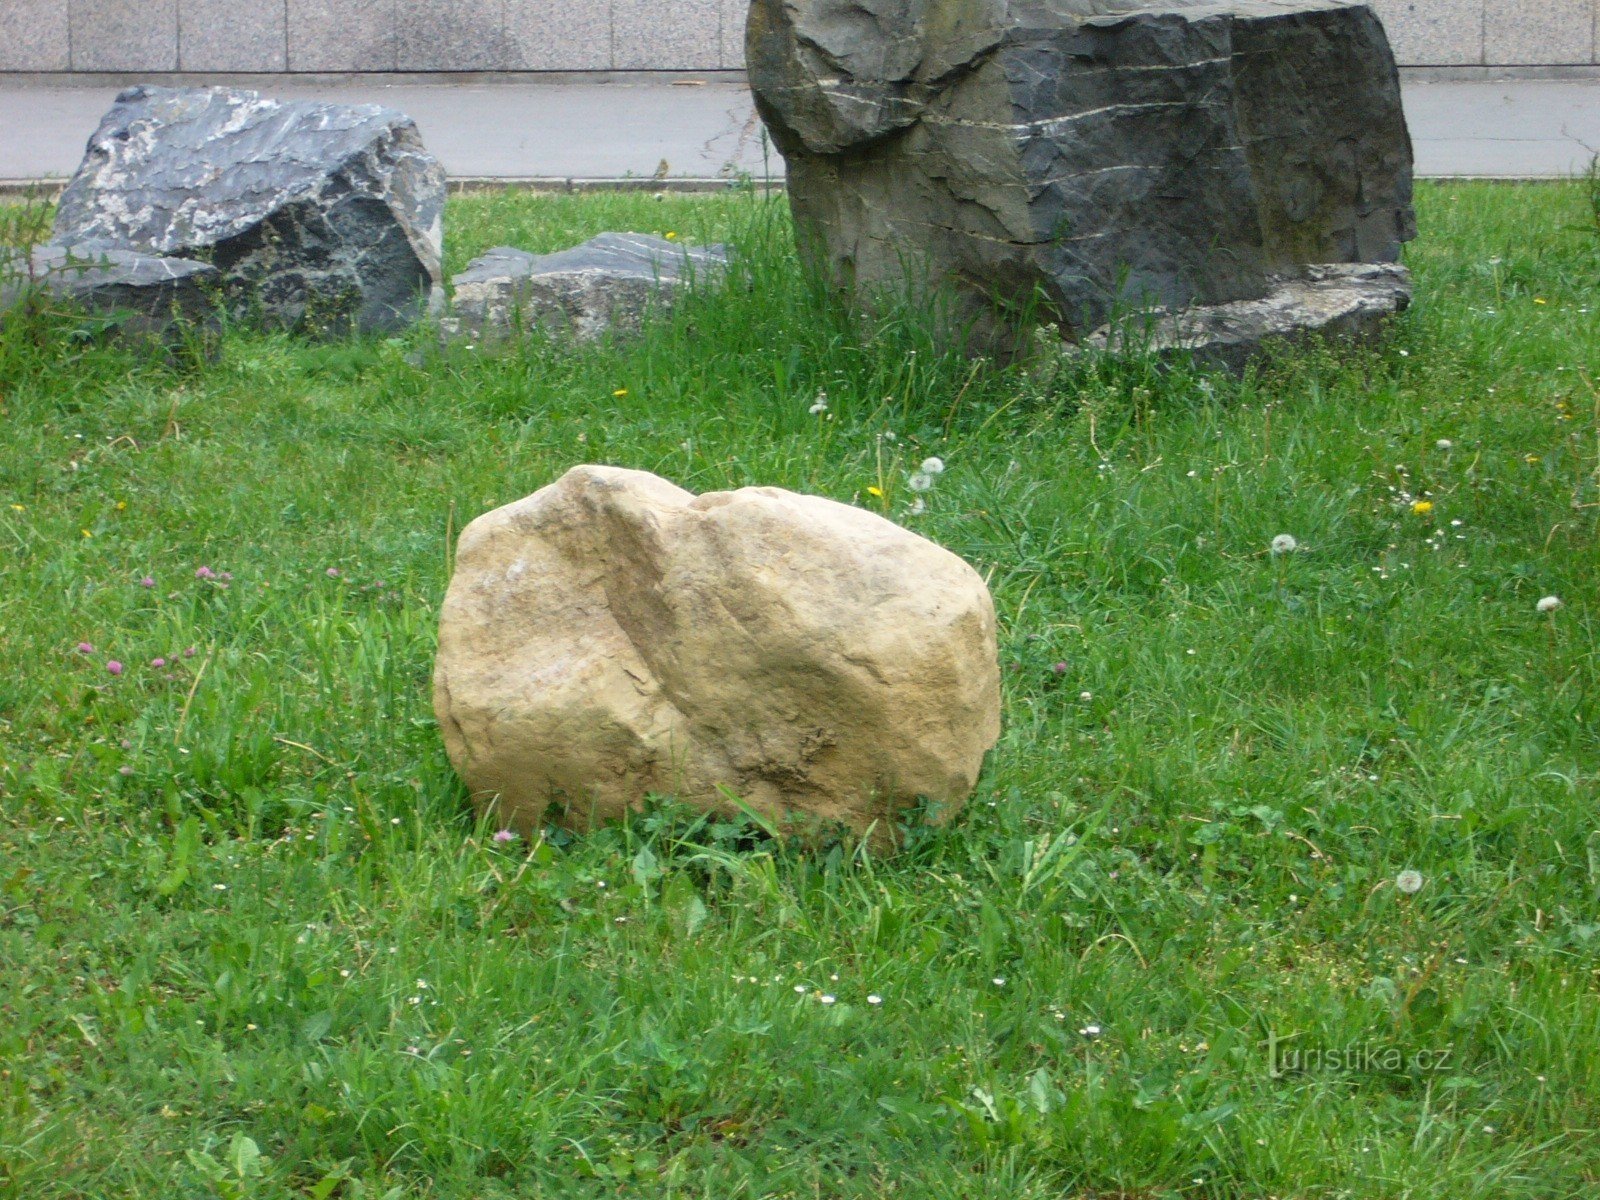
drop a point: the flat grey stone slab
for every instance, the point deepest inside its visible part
(114, 35)
(225, 35)
(450, 35)
(1343, 301)
(341, 35)
(33, 36)
(150, 296)
(607, 285)
(320, 216)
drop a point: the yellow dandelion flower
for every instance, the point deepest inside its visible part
(1422, 507)
(875, 491)
(672, 236)
(19, 508)
(122, 506)
(1530, 459)
(1540, 300)
(620, 392)
(86, 533)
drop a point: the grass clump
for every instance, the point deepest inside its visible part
(254, 946)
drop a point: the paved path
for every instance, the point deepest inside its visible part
(1520, 129)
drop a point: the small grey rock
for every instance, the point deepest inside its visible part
(148, 296)
(1345, 301)
(605, 285)
(318, 216)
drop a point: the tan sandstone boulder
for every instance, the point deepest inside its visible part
(613, 636)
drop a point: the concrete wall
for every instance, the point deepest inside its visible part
(238, 36)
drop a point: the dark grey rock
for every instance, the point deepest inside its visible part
(606, 285)
(144, 295)
(1084, 156)
(1336, 302)
(322, 217)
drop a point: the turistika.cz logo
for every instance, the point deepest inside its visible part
(1285, 1057)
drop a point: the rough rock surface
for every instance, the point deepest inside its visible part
(607, 284)
(1339, 301)
(1094, 156)
(318, 216)
(150, 297)
(613, 636)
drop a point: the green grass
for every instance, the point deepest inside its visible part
(252, 944)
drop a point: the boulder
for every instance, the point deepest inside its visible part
(613, 636)
(142, 296)
(1337, 302)
(1084, 157)
(606, 285)
(320, 217)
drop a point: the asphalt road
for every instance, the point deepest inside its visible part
(608, 131)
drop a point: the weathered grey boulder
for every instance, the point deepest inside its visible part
(607, 284)
(613, 637)
(1084, 156)
(147, 296)
(321, 217)
(1336, 302)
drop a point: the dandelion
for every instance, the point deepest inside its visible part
(920, 481)
(875, 491)
(205, 573)
(620, 392)
(1548, 604)
(1421, 508)
(1284, 543)
(1530, 459)
(1408, 882)
(799, 989)
(917, 507)
(672, 236)
(505, 835)
(825, 998)
(999, 981)
(933, 466)
(1443, 444)
(1086, 696)
(19, 508)
(874, 999)
(114, 667)
(819, 405)
(1090, 1031)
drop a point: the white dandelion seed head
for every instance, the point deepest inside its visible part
(874, 999)
(921, 481)
(933, 466)
(999, 981)
(1408, 882)
(1548, 604)
(825, 998)
(1444, 443)
(1285, 543)
(820, 407)
(917, 507)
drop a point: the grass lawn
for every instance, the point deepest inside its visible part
(252, 944)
